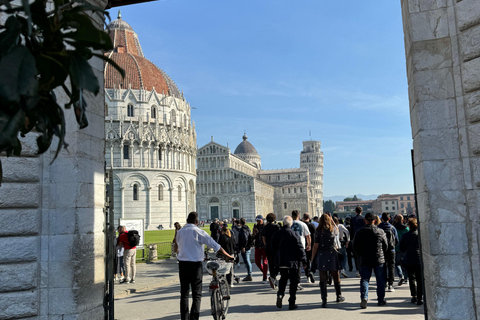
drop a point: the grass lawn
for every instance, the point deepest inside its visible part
(163, 239)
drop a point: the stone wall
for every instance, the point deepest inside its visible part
(442, 44)
(51, 226)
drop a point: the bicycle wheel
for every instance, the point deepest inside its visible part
(225, 297)
(215, 302)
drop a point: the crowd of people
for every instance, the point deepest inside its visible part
(386, 245)
(300, 244)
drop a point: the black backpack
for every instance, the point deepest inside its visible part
(133, 238)
(391, 241)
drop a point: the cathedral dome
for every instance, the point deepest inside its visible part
(140, 73)
(245, 147)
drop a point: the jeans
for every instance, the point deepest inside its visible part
(343, 261)
(415, 281)
(401, 270)
(246, 260)
(271, 264)
(285, 274)
(191, 274)
(261, 261)
(366, 273)
(390, 267)
(130, 257)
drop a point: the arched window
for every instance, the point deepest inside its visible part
(130, 110)
(285, 205)
(106, 109)
(160, 192)
(300, 189)
(179, 193)
(135, 192)
(288, 190)
(154, 112)
(126, 151)
(173, 117)
(294, 190)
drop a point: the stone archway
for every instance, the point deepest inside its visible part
(443, 66)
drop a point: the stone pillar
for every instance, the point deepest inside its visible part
(149, 208)
(442, 45)
(52, 263)
(122, 202)
(171, 206)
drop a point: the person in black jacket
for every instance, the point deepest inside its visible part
(370, 244)
(410, 246)
(290, 254)
(244, 245)
(267, 233)
(214, 226)
(227, 242)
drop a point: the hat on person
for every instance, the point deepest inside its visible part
(259, 217)
(370, 216)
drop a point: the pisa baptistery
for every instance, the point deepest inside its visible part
(150, 137)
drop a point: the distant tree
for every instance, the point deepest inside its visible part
(329, 205)
(354, 198)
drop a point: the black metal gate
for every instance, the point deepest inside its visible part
(109, 230)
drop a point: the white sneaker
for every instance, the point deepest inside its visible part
(232, 285)
(390, 289)
(265, 281)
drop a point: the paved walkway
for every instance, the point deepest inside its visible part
(155, 295)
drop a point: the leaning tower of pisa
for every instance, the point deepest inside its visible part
(311, 158)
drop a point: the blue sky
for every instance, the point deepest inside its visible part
(280, 69)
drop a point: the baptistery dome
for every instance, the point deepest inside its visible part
(150, 138)
(140, 73)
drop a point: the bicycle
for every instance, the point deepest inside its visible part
(219, 290)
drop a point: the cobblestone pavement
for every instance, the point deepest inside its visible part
(155, 295)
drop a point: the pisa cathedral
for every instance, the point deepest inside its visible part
(150, 137)
(234, 185)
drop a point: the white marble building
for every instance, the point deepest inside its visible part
(234, 185)
(150, 137)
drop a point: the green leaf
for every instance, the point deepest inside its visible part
(10, 124)
(79, 107)
(81, 73)
(18, 74)
(10, 37)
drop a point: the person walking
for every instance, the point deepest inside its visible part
(401, 230)
(227, 242)
(129, 256)
(244, 244)
(260, 255)
(311, 228)
(357, 223)
(191, 242)
(120, 266)
(236, 227)
(214, 226)
(350, 254)
(410, 246)
(177, 227)
(325, 251)
(392, 241)
(344, 237)
(267, 233)
(302, 230)
(290, 253)
(370, 244)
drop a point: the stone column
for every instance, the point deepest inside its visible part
(171, 206)
(442, 46)
(149, 208)
(122, 202)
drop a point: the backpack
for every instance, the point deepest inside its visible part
(133, 238)
(391, 241)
